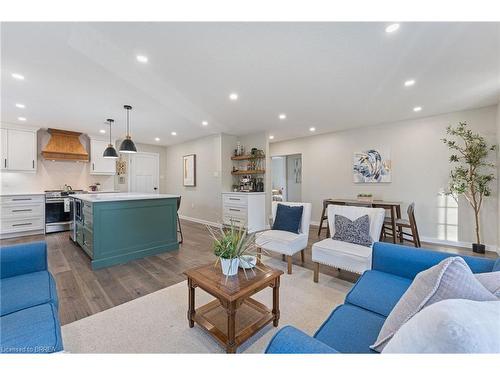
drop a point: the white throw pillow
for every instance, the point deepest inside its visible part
(491, 281)
(450, 326)
(449, 279)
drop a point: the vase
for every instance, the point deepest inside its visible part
(478, 248)
(230, 266)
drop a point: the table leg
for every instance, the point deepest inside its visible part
(393, 222)
(231, 328)
(276, 302)
(191, 309)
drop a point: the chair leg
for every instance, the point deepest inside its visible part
(302, 256)
(283, 257)
(289, 260)
(316, 272)
(180, 229)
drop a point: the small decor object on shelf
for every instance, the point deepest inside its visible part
(230, 245)
(365, 198)
(471, 176)
(189, 170)
(121, 167)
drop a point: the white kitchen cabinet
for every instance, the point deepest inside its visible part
(19, 149)
(100, 165)
(22, 215)
(248, 209)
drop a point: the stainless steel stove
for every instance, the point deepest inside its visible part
(59, 210)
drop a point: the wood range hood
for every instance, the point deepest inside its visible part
(64, 145)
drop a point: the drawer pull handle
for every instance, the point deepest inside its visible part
(18, 225)
(21, 199)
(234, 199)
(234, 209)
(25, 210)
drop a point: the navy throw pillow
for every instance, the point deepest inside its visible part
(356, 232)
(288, 218)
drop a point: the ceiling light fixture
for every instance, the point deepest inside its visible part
(17, 76)
(142, 59)
(102, 131)
(21, 118)
(157, 139)
(128, 146)
(233, 96)
(282, 116)
(110, 151)
(417, 109)
(312, 129)
(410, 82)
(204, 123)
(19, 105)
(173, 133)
(392, 27)
(271, 137)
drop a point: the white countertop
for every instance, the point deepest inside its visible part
(7, 193)
(113, 197)
(244, 192)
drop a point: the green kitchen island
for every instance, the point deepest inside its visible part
(114, 228)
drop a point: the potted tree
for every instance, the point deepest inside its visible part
(471, 174)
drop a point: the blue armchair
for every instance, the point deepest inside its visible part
(29, 321)
(355, 325)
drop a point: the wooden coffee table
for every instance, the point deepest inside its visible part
(219, 317)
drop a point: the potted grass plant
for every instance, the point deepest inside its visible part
(230, 245)
(471, 174)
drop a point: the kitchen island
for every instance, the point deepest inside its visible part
(115, 228)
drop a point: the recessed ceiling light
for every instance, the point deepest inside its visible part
(271, 137)
(173, 133)
(312, 129)
(409, 82)
(392, 27)
(157, 139)
(17, 76)
(142, 59)
(282, 116)
(417, 109)
(233, 96)
(102, 131)
(20, 105)
(204, 123)
(21, 118)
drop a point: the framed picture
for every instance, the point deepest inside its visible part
(189, 170)
(372, 166)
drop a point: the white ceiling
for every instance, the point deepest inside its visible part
(332, 76)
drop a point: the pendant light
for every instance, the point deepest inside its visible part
(110, 151)
(128, 145)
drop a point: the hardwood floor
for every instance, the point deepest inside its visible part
(83, 292)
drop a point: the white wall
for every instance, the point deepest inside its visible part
(498, 169)
(52, 175)
(203, 201)
(420, 170)
(294, 189)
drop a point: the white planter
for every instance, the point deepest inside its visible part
(230, 266)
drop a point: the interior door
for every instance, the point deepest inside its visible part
(144, 172)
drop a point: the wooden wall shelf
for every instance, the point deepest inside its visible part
(256, 171)
(246, 157)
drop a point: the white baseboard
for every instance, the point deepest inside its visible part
(437, 241)
(200, 221)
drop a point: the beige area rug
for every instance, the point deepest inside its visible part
(157, 322)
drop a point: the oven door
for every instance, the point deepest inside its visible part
(58, 215)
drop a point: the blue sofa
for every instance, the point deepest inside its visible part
(29, 321)
(355, 325)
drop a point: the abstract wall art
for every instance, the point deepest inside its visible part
(372, 166)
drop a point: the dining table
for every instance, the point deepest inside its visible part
(393, 207)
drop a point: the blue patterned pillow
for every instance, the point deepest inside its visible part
(357, 231)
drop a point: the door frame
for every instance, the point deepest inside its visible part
(129, 169)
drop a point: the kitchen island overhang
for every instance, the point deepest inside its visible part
(117, 228)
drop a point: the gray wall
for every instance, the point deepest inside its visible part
(420, 171)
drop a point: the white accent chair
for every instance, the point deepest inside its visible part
(347, 256)
(283, 242)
